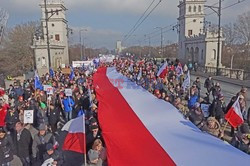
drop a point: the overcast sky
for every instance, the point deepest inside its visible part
(109, 20)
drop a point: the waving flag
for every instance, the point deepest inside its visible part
(140, 129)
(234, 115)
(51, 72)
(186, 82)
(75, 139)
(72, 74)
(163, 70)
(38, 84)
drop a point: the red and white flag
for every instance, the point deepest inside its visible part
(139, 129)
(234, 115)
(163, 70)
(75, 139)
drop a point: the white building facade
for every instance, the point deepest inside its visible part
(58, 37)
(196, 42)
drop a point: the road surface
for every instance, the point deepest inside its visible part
(228, 90)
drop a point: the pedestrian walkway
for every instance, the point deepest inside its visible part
(245, 83)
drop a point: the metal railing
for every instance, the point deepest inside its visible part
(227, 72)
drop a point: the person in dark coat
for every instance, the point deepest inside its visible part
(198, 85)
(7, 148)
(23, 141)
(92, 136)
(54, 154)
(241, 139)
(218, 108)
(11, 119)
(209, 84)
(54, 117)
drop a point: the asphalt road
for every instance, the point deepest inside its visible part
(228, 90)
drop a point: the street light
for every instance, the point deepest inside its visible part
(161, 28)
(80, 34)
(149, 44)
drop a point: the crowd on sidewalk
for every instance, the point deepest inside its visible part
(35, 143)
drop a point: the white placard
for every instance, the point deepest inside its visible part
(48, 162)
(68, 92)
(63, 65)
(80, 63)
(48, 89)
(205, 109)
(28, 116)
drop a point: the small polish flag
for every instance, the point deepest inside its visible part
(163, 70)
(234, 115)
(75, 139)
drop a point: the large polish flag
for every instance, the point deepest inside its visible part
(140, 129)
(163, 70)
(75, 138)
(234, 115)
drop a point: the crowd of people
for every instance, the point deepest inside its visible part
(35, 143)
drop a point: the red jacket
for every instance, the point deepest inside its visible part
(3, 113)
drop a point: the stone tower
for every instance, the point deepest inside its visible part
(58, 37)
(197, 43)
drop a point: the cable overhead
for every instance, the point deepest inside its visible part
(168, 30)
(137, 26)
(140, 18)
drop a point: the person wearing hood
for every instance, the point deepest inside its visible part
(212, 126)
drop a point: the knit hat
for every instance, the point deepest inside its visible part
(42, 127)
(49, 146)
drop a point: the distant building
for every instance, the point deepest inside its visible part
(196, 42)
(58, 37)
(119, 47)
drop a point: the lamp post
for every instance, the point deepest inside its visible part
(161, 28)
(149, 44)
(80, 34)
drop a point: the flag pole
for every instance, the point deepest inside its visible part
(85, 146)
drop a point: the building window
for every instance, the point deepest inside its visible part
(202, 56)
(43, 62)
(51, 36)
(190, 32)
(214, 53)
(199, 9)
(194, 8)
(190, 9)
(57, 37)
(53, 25)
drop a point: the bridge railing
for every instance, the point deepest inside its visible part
(227, 72)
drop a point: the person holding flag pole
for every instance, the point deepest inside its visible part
(76, 137)
(234, 115)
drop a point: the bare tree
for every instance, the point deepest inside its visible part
(230, 34)
(243, 27)
(16, 57)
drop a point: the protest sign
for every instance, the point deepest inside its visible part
(28, 116)
(68, 92)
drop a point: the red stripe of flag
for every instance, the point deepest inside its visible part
(127, 139)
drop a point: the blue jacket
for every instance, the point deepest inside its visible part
(191, 102)
(68, 104)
